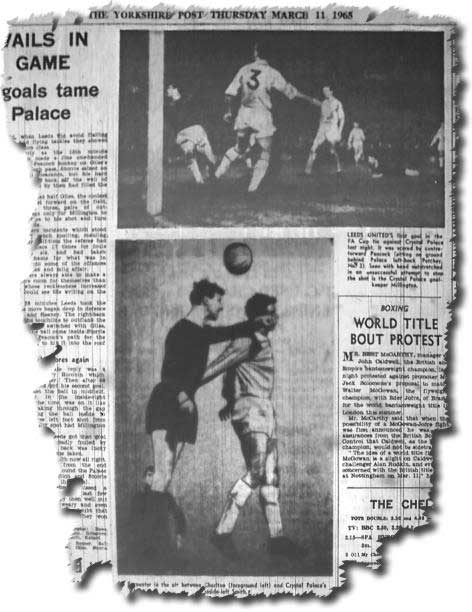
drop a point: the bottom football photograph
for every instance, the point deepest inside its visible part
(224, 407)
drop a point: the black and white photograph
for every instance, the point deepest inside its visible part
(234, 365)
(224, 404)
(279, 128)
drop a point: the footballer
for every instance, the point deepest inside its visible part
(190, 136)
(356, 142)
(248, 386)
(171, 413)
(330, 129)
(254, 122)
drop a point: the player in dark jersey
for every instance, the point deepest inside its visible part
(171, 415)
(183, 116)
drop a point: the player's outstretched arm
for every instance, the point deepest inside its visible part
(218, 333)
(309, 99)
(234, 354)
(280, 84)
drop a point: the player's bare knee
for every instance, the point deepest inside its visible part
(265, 156)
(265, 144)
(252, 479)
(272, 478)
(160, 480)
(257, 479)
(257, 473)
(269, 494)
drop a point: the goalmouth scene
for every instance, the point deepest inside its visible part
(282, 128)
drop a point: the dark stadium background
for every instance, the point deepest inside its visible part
(390, 82)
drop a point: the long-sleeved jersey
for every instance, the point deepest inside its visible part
(249, 368)
(255, 82)
(186, 351)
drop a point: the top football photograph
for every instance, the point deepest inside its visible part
(281, 129)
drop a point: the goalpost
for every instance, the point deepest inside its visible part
(155, 123)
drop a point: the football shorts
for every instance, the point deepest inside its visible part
(326, 131)
(358, 148)
(251, 414)
(257, 120)
(163, 412)
(192, 138)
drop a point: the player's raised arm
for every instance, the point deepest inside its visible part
(219, 333)
(309, 99)
(279, 83)
(288, 90)
(230, 94)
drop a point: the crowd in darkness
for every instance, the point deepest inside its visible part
(388, 82)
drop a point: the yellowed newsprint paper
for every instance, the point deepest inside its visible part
(243, 269)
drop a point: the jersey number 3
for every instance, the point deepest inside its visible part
(253, 82)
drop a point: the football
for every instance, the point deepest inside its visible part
(237, 258)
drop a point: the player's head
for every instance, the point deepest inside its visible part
(327, 91)
(148, 475)
(261, 304)
(355, 124)
(172, 92)
(261, 50)
(210, 296)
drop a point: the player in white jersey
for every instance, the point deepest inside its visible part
(247, 388)
(184, 118)
(254, 83)
(356, 141)
(438, 140)
(330, 128)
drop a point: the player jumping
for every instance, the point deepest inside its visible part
(190, 136)
(330, 128)
(171, 414)
(254, 82)
(247, 388)
(356, 142)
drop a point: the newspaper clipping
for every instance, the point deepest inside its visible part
(243, 268)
